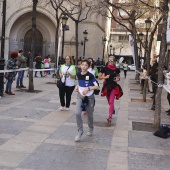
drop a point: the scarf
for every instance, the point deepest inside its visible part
(111, 67)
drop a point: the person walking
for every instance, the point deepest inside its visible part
(67, 74)
(85, 98)
(93, 71)
(154, 78)
(111, 75)
(167, 77)
(46, 65)
(143, 78)
(38, 65)
(12, 64)
(125, 68)
(22, 63)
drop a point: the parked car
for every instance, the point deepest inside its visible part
(131, 67)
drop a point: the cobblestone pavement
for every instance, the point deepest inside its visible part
(35, 135)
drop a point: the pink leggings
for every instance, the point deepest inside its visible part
(110, 100)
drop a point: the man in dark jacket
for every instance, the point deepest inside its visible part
(154, 78)
(22, 63)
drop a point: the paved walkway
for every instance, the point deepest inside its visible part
(35, 135)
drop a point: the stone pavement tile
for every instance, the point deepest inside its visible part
(143, 150)
(31, 136)
(2, 141)
(23, 169)
(6, 168)
(142, 161)
(117, 157)
(76, 144)
(6, 118)
(21, 146)
(101, 136)
(26, 119)
(147, 140)
(121, 133)
(26, 112)
(58, 157)
(120, 148)
(57, 116)
(11, 159)
(40, 104)
(6, 136)
(42, 129)
(13, 127)
(119, 141)
(117, 166)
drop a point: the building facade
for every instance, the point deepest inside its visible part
(19, 34)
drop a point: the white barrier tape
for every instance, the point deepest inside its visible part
(42, 69)
(147, 77)
(13, 70)
(25, 69)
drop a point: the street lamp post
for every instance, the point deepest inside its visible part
(64, 24)
(141, 35)
(2, 61)
(104, 43)
(85, 33)
(147, 27)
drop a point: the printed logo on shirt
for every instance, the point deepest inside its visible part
(87, 77)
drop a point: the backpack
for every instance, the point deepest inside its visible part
(163, 132)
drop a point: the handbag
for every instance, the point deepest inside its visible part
(59, 83)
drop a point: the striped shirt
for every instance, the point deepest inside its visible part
(85, 81)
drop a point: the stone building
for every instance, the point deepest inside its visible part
(19, 23)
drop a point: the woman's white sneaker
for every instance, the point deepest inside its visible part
(67, 108)
(62, 108)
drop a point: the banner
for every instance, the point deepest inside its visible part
(132, 47)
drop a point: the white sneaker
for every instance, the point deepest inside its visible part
(67, 108)
(62, 108)
(90, 133)
(78, 136)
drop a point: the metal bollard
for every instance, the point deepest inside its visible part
(2, 64)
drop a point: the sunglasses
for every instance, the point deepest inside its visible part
(110, 60)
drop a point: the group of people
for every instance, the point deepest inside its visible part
(19, 61)
(87, 84)
(16, 61)
(42, 64)
(152, 82)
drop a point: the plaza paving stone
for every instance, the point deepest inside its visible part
(57, 157)
(35, 135)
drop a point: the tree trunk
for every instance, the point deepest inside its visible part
(77, 41)
(34, 13)
(145, 89)
(157, 116)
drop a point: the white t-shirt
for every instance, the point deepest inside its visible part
(66, 78)
(92, 71)
(125, 66)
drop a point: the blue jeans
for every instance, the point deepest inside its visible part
(20, 78)
(9, 85)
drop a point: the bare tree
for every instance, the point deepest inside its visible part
(78, 11)
(164, 10)
(56, 4)
(133, 11)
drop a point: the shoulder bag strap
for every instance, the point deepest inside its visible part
(66, 71)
